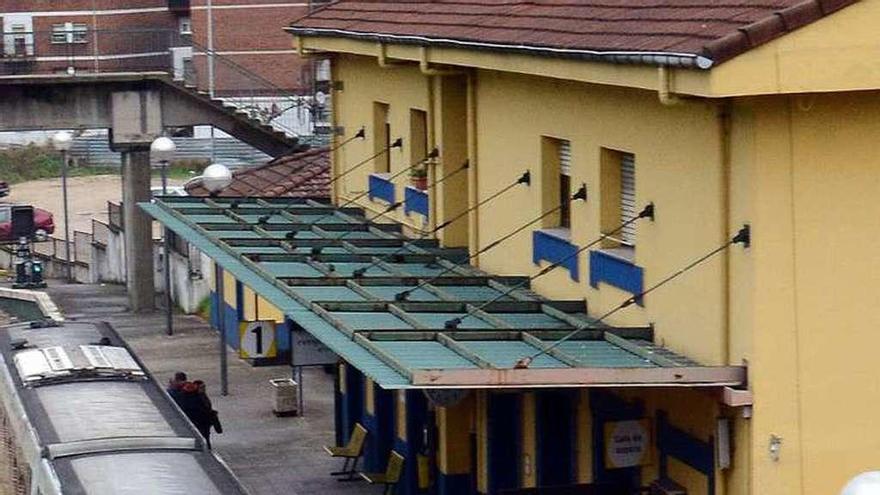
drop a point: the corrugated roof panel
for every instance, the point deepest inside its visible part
(472, 292)
(424, 355)
(420, 269)
(260, 249)
(504, 354)
(371, 320)
(348, 350)
(601, 354)
(328, 293)
(235, 234)
(531, 320)
(254, 218)
(387, 292)
(347, 269)
(218, 218)
(436, 320)
(289, 269)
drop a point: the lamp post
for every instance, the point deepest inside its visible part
(163, 149)
(215, 178)
(62, 141)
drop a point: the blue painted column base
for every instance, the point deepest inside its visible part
(453, 484)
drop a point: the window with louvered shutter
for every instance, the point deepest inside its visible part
(628, 208)
(565, 157)
(564, 183)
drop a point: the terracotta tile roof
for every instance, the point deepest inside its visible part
(301, 175)
(680, 32)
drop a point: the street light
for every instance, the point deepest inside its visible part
(216, 178)
(163, 149)
(867, 483)
(62, 141)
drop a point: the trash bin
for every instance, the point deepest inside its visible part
(285, 396)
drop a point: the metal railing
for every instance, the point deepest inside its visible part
(114, 216)
(274, 102)
(100, 233)
(79, 49)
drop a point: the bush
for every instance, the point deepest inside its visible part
(34, 162)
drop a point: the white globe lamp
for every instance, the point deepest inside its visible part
(162, 149)
(867, 483)
(62, 141)
(216, 178)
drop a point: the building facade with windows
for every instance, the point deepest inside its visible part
(89, 36)
(755, 119)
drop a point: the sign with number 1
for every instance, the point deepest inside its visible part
(257, 339)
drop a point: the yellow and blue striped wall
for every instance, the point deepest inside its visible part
(239, 304)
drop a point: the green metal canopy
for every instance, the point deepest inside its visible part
(339, 276)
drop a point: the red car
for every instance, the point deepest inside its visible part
(42, 220)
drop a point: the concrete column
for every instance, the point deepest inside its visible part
(138, 230)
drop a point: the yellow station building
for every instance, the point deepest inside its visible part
(746, 136)
(759, 115)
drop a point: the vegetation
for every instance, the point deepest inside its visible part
(204, 309)
(34, 162)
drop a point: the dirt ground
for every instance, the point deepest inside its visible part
(87, 198)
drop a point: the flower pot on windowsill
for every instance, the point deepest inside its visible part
(420, 183)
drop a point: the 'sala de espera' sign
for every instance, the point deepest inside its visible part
(627, 443)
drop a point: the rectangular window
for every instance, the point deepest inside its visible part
(564, 184)
(185, 25)
(556, 182)
(70, 32)
(381, 138)
(418, 135)
(618, 199)
(628, 207)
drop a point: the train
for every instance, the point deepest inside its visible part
(82, 415)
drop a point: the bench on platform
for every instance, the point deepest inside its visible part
(391, 475)
(351, 452)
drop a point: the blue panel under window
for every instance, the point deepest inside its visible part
(548, 247)
(615, 271)
(415, 200)
(381, 188)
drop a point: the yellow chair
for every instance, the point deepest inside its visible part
(352, 451)
(391, 475)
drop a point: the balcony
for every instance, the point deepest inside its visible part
(617, 272)
(381, 188)
(552, 245)
(415, 200)
(179, 6)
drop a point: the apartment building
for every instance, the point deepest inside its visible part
(90, 35)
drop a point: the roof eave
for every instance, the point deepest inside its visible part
(665, 59)
(687, 376)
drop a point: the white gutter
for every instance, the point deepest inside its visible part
(669, 59)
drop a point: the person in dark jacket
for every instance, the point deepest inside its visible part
(174, 386)
(212, 419)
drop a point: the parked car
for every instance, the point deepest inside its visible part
(4, 188)
(43, 222)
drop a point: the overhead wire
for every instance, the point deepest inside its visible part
(647, 212)
(743, 236)
(581, 194)
(524, 179)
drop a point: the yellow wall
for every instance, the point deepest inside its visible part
(258, 308)
(798, 306)
(814, 338)
(454, 426)
(229, 294)
(677, 152)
